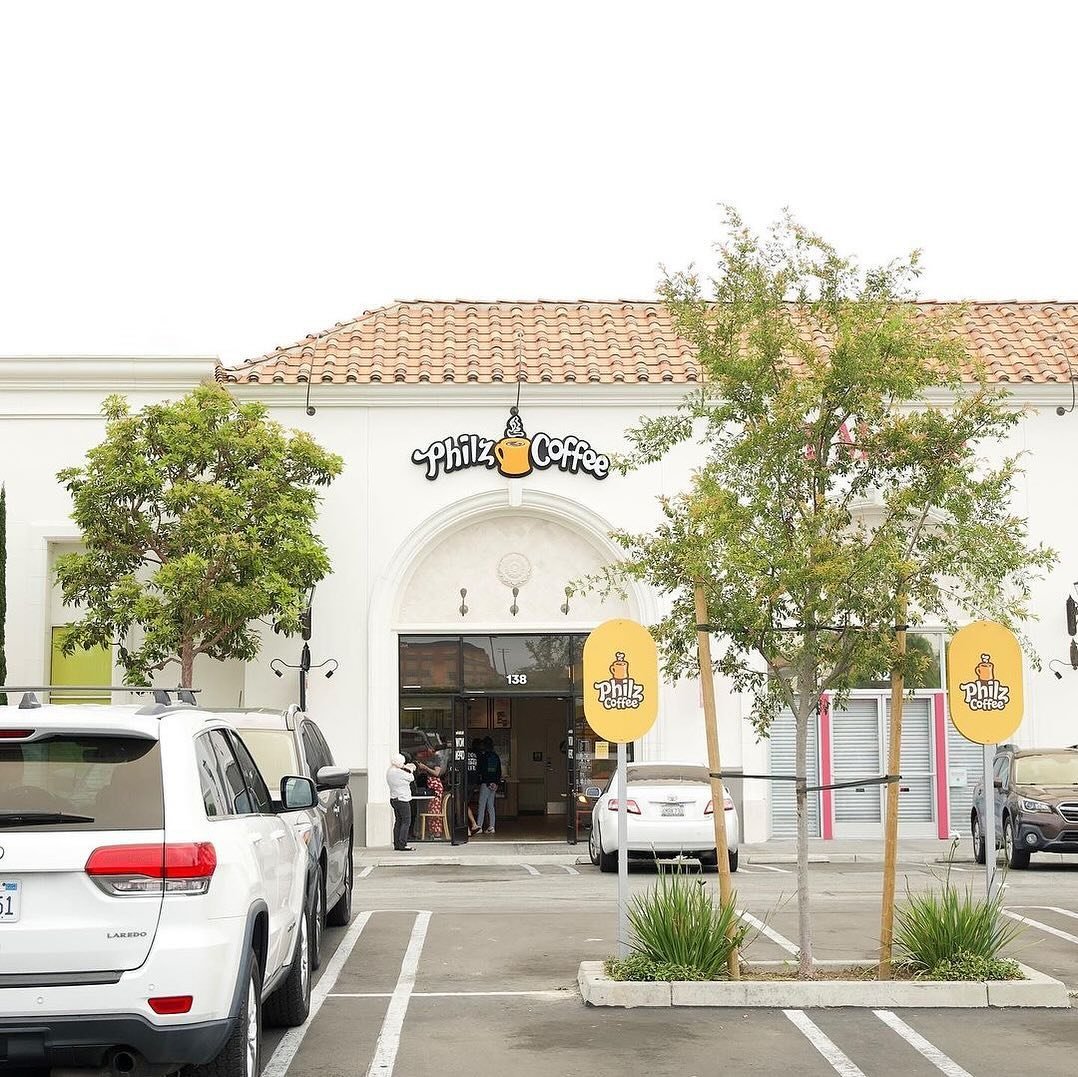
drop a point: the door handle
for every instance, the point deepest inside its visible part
(256, 839)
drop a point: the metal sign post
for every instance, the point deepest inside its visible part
(623, 853)
(621, 703)
(990, 858)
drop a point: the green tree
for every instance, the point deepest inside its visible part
(830, 492)
(198, 519)
(3, 592)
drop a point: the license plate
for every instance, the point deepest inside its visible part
(673, 809)
(10, 892)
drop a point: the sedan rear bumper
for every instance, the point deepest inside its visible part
(667, 835)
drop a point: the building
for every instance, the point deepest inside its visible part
(457, 528)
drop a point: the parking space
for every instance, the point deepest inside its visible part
(472, 970)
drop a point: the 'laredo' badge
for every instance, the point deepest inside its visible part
(514, 455)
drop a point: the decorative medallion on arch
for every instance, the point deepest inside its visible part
(502, 560)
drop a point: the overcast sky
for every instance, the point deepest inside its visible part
(231, 176)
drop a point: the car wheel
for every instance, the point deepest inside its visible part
(1015, 857)
(341, 913)
(978, 840)
(318, 921)
(241, 1055)
(290, 1004)
(593, 851)
(607, 861)
(733, 859)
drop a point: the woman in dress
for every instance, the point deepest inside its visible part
(435, 769)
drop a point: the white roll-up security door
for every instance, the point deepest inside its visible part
(855, 750)
(784, 761)
(917, 800)
(965, 763)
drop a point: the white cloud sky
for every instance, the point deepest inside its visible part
(220, 178)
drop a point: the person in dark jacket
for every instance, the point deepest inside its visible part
(490, 777)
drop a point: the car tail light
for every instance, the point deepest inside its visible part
(15, 734)
(727, 804)
(631, 806)
(172, 1004)
(175, 868)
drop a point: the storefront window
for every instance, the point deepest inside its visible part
(425, 725)
(430, 663)
(516, 664)
(925, 650)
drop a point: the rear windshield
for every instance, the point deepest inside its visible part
(664, 775)
(1050, 769)
(74, 782)
(275, 755)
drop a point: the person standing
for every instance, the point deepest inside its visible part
(490, 777)
(399, 780)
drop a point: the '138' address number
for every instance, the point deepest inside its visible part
(516, 678)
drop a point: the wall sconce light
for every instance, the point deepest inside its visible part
(565, 604)
(514, 609)
(463, 596)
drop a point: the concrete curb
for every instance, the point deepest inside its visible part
(485, 860)
(1037, 990)
(850, 858)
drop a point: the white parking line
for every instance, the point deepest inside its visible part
(1049, 908)
(1041, 927)
(769, 932)
(839, 1062)
(769, 867)
(920, 1044)
(568, 870)
(459, 994)
(529, 869)
(389, 1037)
(366, 871)
(291, 1040)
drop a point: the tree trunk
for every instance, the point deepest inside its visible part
(187, 664)
(806, 967)
(894, 763)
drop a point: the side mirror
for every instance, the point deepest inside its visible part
(332, 777)
(297, 794)
(592, 791)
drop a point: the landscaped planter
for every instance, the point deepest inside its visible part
(1036, 989)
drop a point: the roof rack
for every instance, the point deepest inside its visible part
(30, 701)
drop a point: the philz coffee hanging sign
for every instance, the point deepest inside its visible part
(514, 455)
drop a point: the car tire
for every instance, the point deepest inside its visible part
(318, 922)
(241, 1055)
(608, 862)
(341, 913)
(978, 840)
(593, 852)
(290, 1004)
(733, 854)
(1015, 857)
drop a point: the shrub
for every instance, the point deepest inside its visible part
(639, 967)
(947, 927)
(679, 923)
(966, 966)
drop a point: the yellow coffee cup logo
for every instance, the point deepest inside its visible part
(514, 457)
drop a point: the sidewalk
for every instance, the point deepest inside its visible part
(488, 853)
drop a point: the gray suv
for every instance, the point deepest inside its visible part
(289, 742)
(1036, 802)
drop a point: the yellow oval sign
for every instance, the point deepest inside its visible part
(984, 682)
(621, 681)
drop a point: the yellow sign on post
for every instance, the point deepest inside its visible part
(621, 681)
(984, 682)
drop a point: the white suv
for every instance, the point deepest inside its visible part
(152, 899)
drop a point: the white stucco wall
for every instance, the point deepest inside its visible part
(402, 546)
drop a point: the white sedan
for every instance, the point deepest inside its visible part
(670, 813)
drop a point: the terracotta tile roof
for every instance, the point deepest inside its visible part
(607, 342)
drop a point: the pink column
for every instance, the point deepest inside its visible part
(827, 812)
(943, 795)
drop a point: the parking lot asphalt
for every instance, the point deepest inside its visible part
(471, 970)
